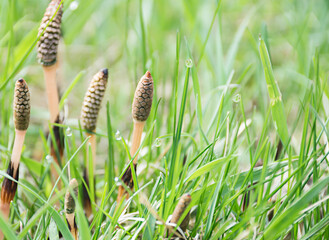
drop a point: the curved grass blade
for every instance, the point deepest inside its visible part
(208, 167)
(274, 93)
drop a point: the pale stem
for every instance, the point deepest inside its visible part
(52, 92)
(70, 220)
(136, 139)
(17, 149)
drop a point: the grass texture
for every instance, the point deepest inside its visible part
(239, 118)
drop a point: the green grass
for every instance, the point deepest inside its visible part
(231, 80)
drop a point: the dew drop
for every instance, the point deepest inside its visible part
(157, 143)
(49, 158)
(74, 5)
(118, 135)
(116, 179)
(237, 98)
(189, 63)
(68, 132)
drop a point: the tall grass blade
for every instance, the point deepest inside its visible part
(276, 104)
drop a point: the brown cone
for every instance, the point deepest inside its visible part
(179, 210)
(48, 42)
(143, 98)
(93, 99)
(21, 105)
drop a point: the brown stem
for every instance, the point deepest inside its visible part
(121, 193)
(9, 187)
(70, 218)
(127, 179)
(51, 90)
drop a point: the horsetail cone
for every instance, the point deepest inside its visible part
(179, 210)
(143, 98)
(21, 105)
(93, 99)
(69, 199)
(141, 108)
(48, 42)
(21, 119)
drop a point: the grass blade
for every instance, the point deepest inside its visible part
(274, 93)
(287, 217)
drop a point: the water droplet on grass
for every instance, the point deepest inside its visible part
(74, 5)
(118, 135)
(189, 63)
(157, 143)
(68, 132)
(49, 158)
(237, 98)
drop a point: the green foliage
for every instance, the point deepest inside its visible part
(224, 99)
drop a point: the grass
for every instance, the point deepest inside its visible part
(223, 100)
